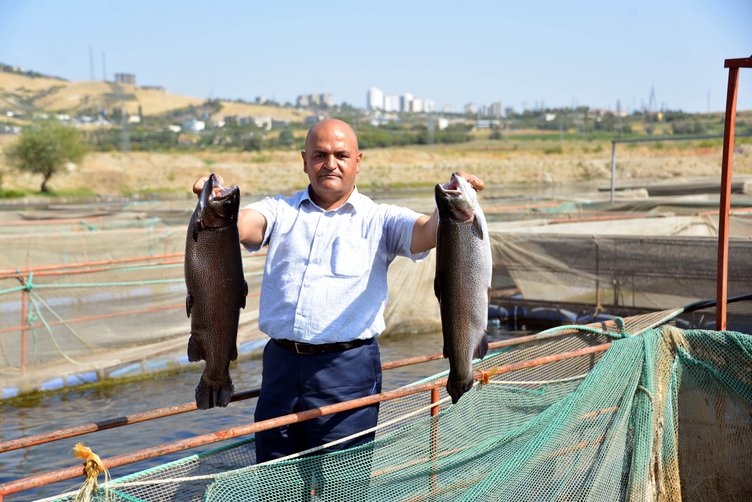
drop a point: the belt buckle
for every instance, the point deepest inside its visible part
(300, 348)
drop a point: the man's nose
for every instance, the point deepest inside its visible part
(330, 162)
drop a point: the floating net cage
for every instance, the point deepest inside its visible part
(620, 412)
(93, 294)
(75, 290)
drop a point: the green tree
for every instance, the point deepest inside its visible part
(45, 147)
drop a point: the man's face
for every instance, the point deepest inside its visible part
(332, 161)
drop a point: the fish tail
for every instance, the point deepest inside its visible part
(456, 388)
(209, 396)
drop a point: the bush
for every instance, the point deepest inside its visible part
(45, 147)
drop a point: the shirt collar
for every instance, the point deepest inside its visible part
(356, 201)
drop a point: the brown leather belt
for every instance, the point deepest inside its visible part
(319, 348)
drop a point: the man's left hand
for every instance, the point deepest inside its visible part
(474, 181)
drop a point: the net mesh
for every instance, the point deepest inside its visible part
(661, 415)
(108, 290)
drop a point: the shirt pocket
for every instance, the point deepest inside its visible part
(351, 256)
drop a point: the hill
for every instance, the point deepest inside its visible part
(24, 95)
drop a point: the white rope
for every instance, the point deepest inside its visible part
(538, 382)
(356, 435)
(114, 485)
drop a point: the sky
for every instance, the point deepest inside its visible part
(526, 54)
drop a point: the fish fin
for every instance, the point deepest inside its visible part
(195, 353)
(482, 349)
(245, 293)
(478, 228)
(188, 304)
(208, 396)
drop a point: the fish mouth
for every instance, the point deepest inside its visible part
(452, 187)
(224, 192)
(451, 196)
(218, 204)
(218, 193)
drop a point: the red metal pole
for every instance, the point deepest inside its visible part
(434, 400)
(24, 325)
(725, 203)
(434, 479)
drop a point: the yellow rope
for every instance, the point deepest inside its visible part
(93, 467)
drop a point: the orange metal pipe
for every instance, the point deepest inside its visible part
(725, 204)
(76, 320)
(434, 400)
(519, 340)
(486, 375)
(8, 273)
(110, 423)
(93, 270)
(24, 326)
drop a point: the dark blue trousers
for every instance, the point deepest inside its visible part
(294, 382)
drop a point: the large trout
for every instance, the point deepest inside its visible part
(463, 280)
(216, 289)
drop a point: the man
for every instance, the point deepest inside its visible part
(324, 291)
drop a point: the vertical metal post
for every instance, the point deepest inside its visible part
(613, 169)
(434, 479)
(24, 325)
(725, 203)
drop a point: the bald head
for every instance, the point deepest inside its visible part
(332, 126)
(332, 161)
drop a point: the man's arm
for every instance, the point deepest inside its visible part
(251, 227)
(424, 232)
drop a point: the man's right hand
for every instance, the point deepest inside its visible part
(199, 184)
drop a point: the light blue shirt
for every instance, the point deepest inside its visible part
(325, 276)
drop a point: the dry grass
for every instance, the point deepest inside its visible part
(500, 163)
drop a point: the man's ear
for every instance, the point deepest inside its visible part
(357, 167)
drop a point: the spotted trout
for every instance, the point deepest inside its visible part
(216, 289)
(463, 280)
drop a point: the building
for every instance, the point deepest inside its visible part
(125, 78)
(391, 103)
(495, 110)
(406, 102)
(375, 99)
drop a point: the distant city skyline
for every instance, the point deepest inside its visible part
(524, 55)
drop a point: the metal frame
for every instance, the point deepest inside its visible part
(725, 205)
